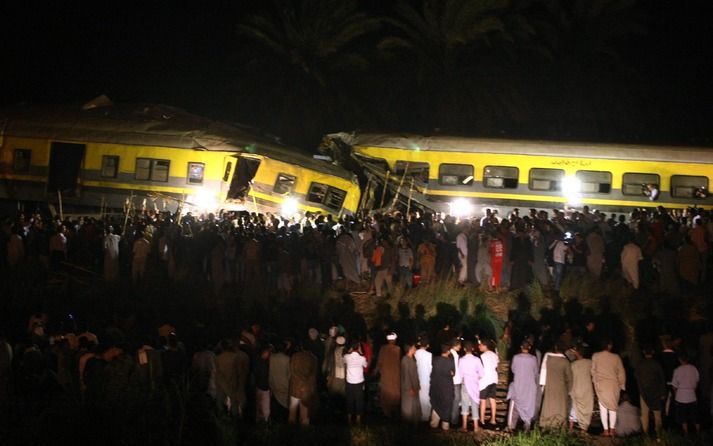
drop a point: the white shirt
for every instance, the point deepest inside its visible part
(462, 244)
(457, 379)
(490, 365)
(355, 364)
(685, 380)
(111, 245)
(424, 363)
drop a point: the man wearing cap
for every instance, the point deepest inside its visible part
(389, 367)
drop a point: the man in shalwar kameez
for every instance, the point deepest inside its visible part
(522, 392)
(424, 362)
(388, 366)
(582, 392)
(348, 254)
(630, 258)
(441, 390)
(410, 405)
(609, 379)
(556, 375)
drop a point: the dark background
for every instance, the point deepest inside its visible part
(629, 71)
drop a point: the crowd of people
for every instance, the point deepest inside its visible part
(562, 369)
(668, 249)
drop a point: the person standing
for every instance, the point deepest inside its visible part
(141, 250)
(582, 391)
(497, 253)
(489, 382)
(405, 255)
(630, 258)
(279, 379)
(595, 252)
(424, 363)
(410, 405)
(471, 371)
(388, 366)
(556, 376)
(462, 246)
(111, 255)
(441, 388)
(355, 363)
(559, 257)
(303, 385)
(652, 390)
(609, 380)
(231, 374)
(427, 261)
(457, 380)
(523, 389)
(684, 383)
(262, 386)
(383, 259)
(336, 373)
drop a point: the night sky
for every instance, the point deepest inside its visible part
(641, 75)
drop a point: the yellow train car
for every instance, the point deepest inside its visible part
(458, 172)
(157, 157)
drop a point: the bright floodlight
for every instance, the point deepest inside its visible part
(461, 207)
(204, 200)
(571, 187)
(289, 207)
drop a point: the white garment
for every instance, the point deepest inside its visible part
(355, 364)
(490, 365)
(424, 363)
(457, 378)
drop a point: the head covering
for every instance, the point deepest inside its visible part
(313, 333)
(391, 336)
(341, 340)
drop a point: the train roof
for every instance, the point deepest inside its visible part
(701, 155)
(102, 121)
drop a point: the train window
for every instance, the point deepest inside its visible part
(689, 186)
(21, 160)
(455, 174)
(148, 169)
(419, 171)
(195, 173)
(284, 183)
(331, 197)
(635, 183)
(500, 177)
(317, 192)
(110, 166)
(335, 198)
(594, 182)
(228, 168)
(546, 179)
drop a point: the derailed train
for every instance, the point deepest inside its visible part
(464, 175)
(108, 156)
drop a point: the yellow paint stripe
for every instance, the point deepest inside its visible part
(563, 200)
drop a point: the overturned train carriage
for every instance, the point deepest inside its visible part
(465, 175)
(106, 156)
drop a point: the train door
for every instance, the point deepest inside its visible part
(65, 163)
(242, 178)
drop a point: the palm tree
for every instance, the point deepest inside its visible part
(458, 51)
(297, 77)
